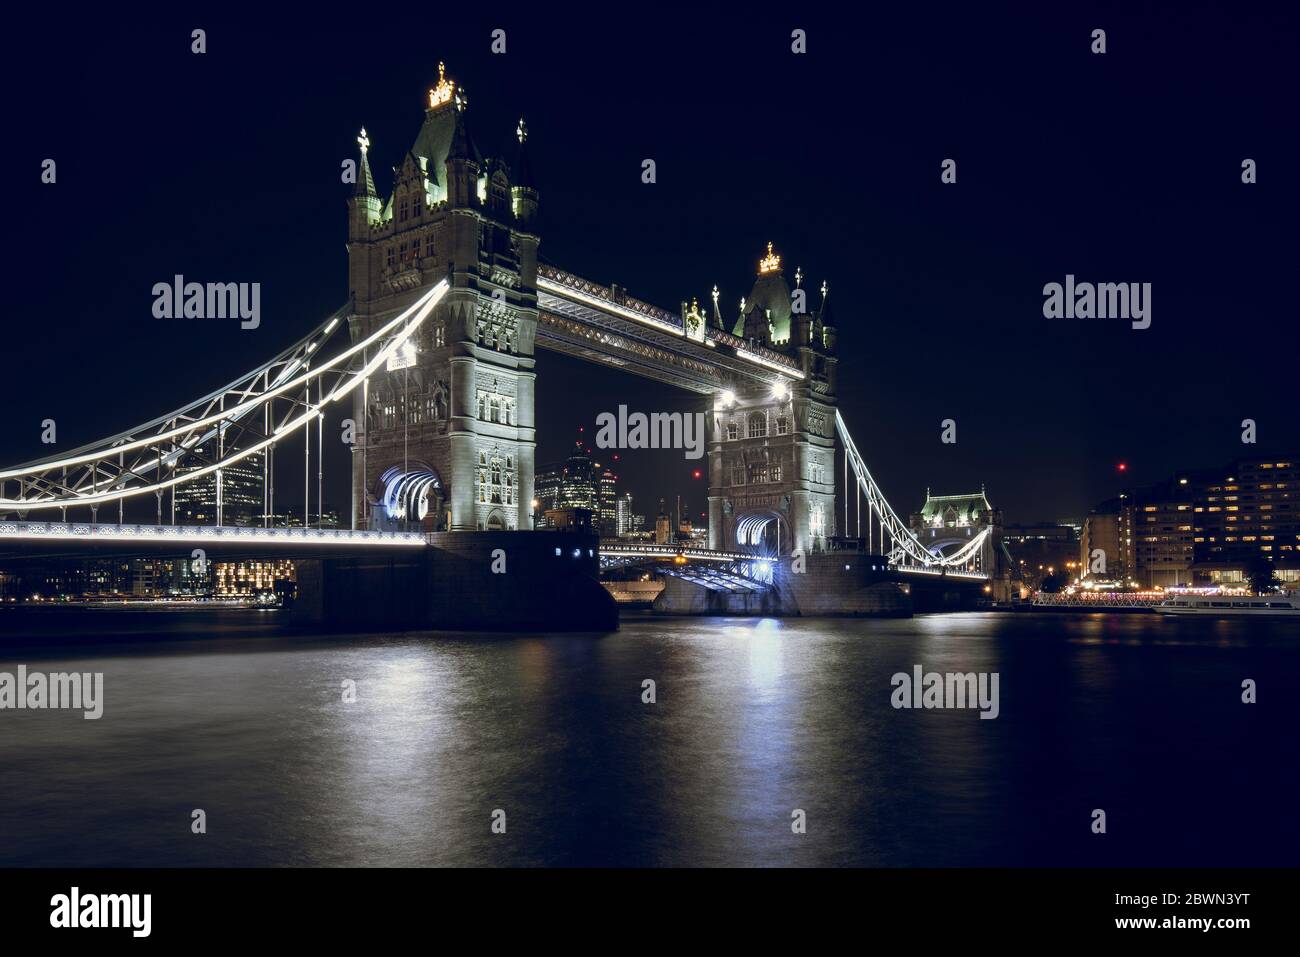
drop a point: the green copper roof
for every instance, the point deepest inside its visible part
(965, 508)
(772, 294)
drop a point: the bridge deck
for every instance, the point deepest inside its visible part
(21, 538)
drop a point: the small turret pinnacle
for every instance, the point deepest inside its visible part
(365, 181)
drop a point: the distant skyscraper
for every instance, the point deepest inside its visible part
(623, 520)
(241, 495)
(606, 499)
(580, 483)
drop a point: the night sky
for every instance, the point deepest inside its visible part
(1124, 167)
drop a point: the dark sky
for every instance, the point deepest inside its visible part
(1121, 168)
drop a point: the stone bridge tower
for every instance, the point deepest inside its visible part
(772, 450)
(445, 435)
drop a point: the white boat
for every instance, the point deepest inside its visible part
(1270, 605)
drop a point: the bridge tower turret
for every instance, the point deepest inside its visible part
(453, 414)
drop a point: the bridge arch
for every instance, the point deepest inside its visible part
(762, 531)
(409, 495)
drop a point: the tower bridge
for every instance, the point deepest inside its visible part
(433, 357)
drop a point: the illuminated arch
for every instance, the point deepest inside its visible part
(405, 493)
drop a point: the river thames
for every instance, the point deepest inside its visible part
(754, 719)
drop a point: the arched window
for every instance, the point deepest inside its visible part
(757, 425)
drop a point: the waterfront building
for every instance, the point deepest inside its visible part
(1202, 527)
(250, 579)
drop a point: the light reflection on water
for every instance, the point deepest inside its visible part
(754, 718)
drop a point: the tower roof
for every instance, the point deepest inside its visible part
(968, 507)
(444, 132)
(771, 293)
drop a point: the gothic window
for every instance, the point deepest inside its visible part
(482, 414)
(392, 256)
(403, 256)
(439, 335)
(757, 425)
(494, 409)
(416, 208)
(510, 461)
(403, 209)
(482, 458)
(782, 425)
(776, 472)
(733, 431)
(496, 482)
(738, 476)
(428, 246)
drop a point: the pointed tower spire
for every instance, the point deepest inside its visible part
(365, 207)
(365, 181)
(524, 189)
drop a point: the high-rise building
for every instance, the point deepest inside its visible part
(606, 499)
(623, 517)
(579, 482)
(241, 495)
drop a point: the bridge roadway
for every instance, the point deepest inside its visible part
(614, 553)
(21, 539)
(24, 539)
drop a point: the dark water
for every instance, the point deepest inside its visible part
(1136, 715)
